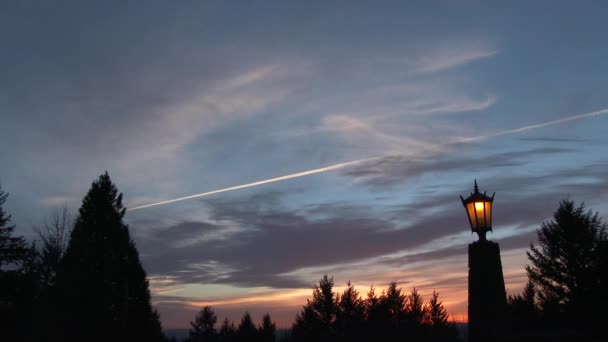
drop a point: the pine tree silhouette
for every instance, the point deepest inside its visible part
(350, 317)
(247, 330)
(15, 287)
(567, 268)
(202, 329)
(227, 331)
(267, 330)
(103, 286)
(316, 320)
(12, 248)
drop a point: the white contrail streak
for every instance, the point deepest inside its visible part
(249, 185)
(531, 127)
(347, 164)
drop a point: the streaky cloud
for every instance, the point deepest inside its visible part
(360, 161)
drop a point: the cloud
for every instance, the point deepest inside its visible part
(444, 59)
(390, 170)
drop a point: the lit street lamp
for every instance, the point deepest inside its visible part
(487, 295)
(479, 212)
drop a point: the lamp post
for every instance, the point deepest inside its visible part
(487, 295)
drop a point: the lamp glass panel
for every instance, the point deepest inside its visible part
(471, 213)
(481, 215)
(488, 214)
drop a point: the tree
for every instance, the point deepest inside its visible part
(15, 286)
(415, 307)
(566, 265)
(247, 330)
(440, 329)
(267, 331)
(103, 286)
(437, 314)
(350, 315)
(12, 248)
(317, 318)
(523, 311)
(394, 302)
(203, 327)
(227, 331)
(54, 235)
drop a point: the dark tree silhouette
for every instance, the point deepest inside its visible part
(16, 289)
(103, 286)
(202, 329)
(523, 312)
(267, 330)
(247, 330)
(318, 316)
(415, 307)
(436, 313)
(394, 302)
(440, 329)
(54, 235)
(566, 266)
(12, 248)
(350, 317)
(227, 331)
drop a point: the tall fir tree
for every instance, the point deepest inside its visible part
(227, 331)
(12, 248)
(267, 330)
(247, 330)
(15, 288)
(103, 287)
(316, 321)
(568, 268)
(350, 316)
(202, 329)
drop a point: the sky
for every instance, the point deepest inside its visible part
(181, 98)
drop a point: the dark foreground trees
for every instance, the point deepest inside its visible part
(567, 274)
(101, 285)
(203, 329)
(392, 316)
(15, 297)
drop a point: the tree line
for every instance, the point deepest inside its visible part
(83, 280)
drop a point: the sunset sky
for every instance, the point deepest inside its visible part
(176, 98)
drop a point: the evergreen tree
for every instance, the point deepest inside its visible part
(566, 265)
(318, 316)
(16, 289)
(394, 302)
(227, 331)
(415, 315)
(437, 314)
(523, 311)
(12, 248)
(203, 327)
(415, 307)
(103, 286)
(350, 315)
(440, 329)
(247, 330)
(267, 331)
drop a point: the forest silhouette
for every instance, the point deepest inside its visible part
(82, 280)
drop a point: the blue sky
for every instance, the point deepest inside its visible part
(175, 99)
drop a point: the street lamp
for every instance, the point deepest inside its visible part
(479, 212)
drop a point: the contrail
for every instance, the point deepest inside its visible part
(249, 185)
(531, 127)
(351, 163)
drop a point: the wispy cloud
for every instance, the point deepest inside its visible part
(444, 59)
